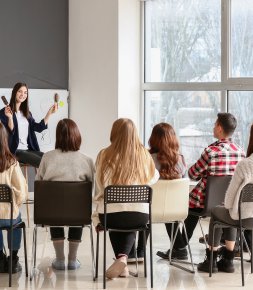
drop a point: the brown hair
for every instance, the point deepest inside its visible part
(68, 137)
(163, 141)
(228, 123)
(250, 146)
(6, 158)
(125, 161)
(24, 106)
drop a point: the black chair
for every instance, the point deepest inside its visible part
(58, 203)
(6, 197)
(216, 188)
(127, 194)
(246, 196)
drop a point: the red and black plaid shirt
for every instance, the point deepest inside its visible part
(219, 158)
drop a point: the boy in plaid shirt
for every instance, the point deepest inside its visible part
(219, 158)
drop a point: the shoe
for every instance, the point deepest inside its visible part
(3, 264)
(202, 241)
(115, 269)
(73, 265)
(124, 273)
(177, 254)
(58, 264)
(204, 266)
(16, 266)
(226, 263)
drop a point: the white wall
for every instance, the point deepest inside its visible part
(103, 67)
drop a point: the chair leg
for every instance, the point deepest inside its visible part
(151, 255)
(189, 248)
(251, 252)
(211, 256)
(33, 260)
(145, 255)
(104, 264)
(97, 255)
(241, 250)
(25, 251)
(10, 261)
(92, 253)
(203, 234)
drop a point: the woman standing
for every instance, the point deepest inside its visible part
(124, 162)
(21, 126)
(10, 174)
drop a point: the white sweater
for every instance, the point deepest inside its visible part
(15, 179)
(243, 174)
(116, 207)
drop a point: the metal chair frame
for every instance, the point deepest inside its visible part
(39, 186)
(6, 197)
(246, 195)
(127, 194)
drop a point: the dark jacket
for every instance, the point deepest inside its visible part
(14, 136)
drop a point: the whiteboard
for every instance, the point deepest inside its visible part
(40, 100)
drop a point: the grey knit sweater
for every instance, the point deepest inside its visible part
(243, 174)
(66, 166)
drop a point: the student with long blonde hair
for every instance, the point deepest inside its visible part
(124, 162)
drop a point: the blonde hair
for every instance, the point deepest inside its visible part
(125, 161)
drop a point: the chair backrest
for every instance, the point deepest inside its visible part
(246, 195)
(6, 196)
(170, 200)
(216, 188)
(128, 194)
(58, 203)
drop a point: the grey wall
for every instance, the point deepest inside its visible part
(34, 43)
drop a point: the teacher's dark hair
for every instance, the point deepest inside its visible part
(24, 107)
(68, 137)
(6, 158)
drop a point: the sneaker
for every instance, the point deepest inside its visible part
(73, 265)
(177, 254)
(16, 266)
(3, 264)
(58, 264)
(115, 269)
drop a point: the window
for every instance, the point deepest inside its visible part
(198, 61)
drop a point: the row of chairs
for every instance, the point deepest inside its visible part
(69, 204)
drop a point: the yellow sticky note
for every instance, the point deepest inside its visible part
(61, 103)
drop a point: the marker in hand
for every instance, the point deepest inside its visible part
(5, 101)
(56, 100)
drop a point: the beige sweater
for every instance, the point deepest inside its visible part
(15, 179)
(243, 175)
(116, 207)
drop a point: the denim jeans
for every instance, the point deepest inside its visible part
(17, 234)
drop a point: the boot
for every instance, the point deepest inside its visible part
(204, 266)
(226, 263)
(3, 263)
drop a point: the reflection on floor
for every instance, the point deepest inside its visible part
(165, 276)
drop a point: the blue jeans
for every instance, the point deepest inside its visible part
(17, 234)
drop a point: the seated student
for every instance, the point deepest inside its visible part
(10, 174)
(21, 126)
(66, 163)
(124, 162)
(229, 213)
(164, 149)
(219, 158)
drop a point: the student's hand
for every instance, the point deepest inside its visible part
(8, 112)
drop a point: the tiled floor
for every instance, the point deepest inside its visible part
(165, 276)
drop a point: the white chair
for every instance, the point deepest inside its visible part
(170, 204)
